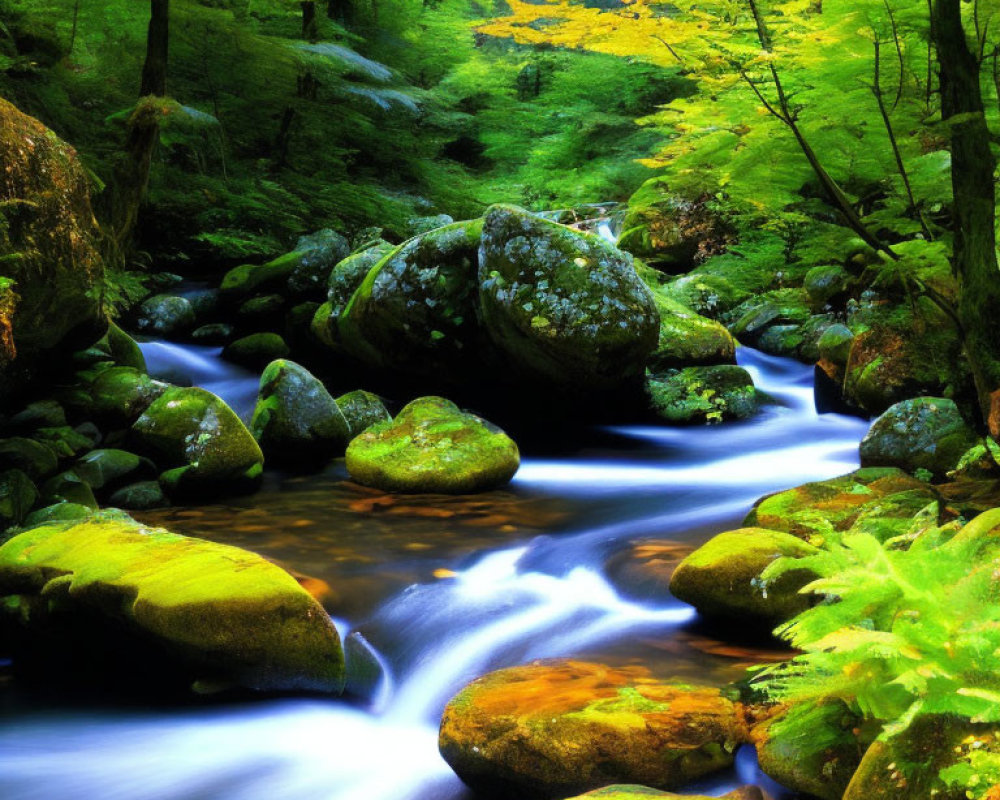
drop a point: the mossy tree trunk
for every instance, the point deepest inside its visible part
(972, 168)
(132, 173)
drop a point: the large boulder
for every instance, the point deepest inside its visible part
(433, 446)
(415, 311)
(634, 792)
(295, 419)
(52, 270)
(256, 350)
(551, 730)
(321, 252)
(118, 395)
(722, 577)
(564, 308)
(124, 599)
(343, 282)
(199, 442)
(165, 315)
(925, 433)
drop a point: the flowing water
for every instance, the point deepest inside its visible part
(438, 590)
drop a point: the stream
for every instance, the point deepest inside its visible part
(438, 590)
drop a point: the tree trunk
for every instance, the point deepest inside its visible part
(310, 29)
(154, 70)
(972, 168)
(132, 172)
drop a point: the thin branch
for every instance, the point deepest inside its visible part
(666, 44)
(899, 53)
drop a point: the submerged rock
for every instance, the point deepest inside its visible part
(926, 433)
(722, 577)
(549, 730)
(702, 394)
(200, 442)
(124, 597)
(566, 309)
(433, 446)
(296, 419)
(362, 409)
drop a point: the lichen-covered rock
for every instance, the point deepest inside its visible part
(432, 446)
(926, 433)
(199, 442)
(415, 310)
(344, 280)
(362, 409)
(811, 749)
(550, 730)
(165, 315)
(256, 350)
(120, 394)
(722, 577)
(17, 497)
(295, 419)
(686, 338)
(810, 510)
(702, 394)
(565, 309)
(52, 270)
(321, 251)
(183, 608)
(787, 309)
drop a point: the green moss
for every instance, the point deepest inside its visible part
(256, 350)
(432, 446)
(249, 279)
(120, 394)
(199, 441)
(107, 469)
(223, 614)
(362, 409)
(33, 458)
(722, 577)
(702, 394)
(295, 418)
(17, 496)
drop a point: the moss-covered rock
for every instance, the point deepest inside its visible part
(295, 419)
(432, 446)
(120, 394)
(248, 279)
(107, 469)
(344, 280)
(827, 284)
(122, 348)
(634, 792)
(550, 730)
(415, 311)
(835, 345)
(261, 313)
(17, 497)
(49, 250)
(811, 749)
(722, 577)
(787, 309)
(321, 252)
(67, 487)
(702, 394)
(58, 512)
(812, 509)
(362, 409)
(256, 350)
(40, 414)
(64, 441)
(564, 308)
(165, 315)
(139, 496)
(926, 433)
(30, 457)
(910, 764)
(212, 612)
(199, 441)
(215, 333)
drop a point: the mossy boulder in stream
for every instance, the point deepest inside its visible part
(256, 350)
(165, 315)
(415, 310)
(295, 419)
(926, 433)
(119, 395)
(50, 289)
(565, 309)
(343, 282)
(702, 394)
(17, 497)
(199, 441)
(634, 792)
(433, 446)
(321, 252)
(248, 279)
(362, 409)
(722, 577)
(550, 730)
(122, 596)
